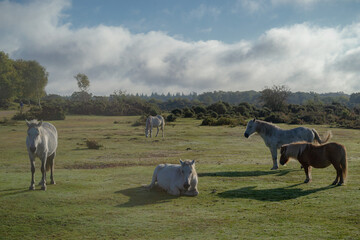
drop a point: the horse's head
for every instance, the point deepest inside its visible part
(284, 158)
(250, 128)
(33, 134)
(187, 172)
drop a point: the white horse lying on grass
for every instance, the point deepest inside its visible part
(41, 141)
(274, 137)
(157, 122)
(176, 179)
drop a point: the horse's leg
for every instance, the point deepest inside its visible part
(339, 180)
(32, 165)
(43, 171)
(52, 166)
(307, 169)
(150, 131)
(162, 129)
(274, 157)
(157, 131)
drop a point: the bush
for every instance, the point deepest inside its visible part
(177, 112)
(140, 122)
(93, 144)
(219, 107)
(171, 118)
(188, 113)
(277, 117)
(209, 121)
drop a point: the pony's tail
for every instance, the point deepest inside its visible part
(327, 136)
(344, 164)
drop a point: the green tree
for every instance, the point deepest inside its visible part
(9, 80)
(275, 97)
(83, 82)
(34, 79)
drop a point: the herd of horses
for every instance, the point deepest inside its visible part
(300, 143)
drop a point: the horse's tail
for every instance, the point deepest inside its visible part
(317, 138)
(344, 163)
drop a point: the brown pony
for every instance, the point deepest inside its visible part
(317, 156)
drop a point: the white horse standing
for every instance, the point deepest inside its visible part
(176, 179)
(157, 122)
(41, 141)
(274, 137)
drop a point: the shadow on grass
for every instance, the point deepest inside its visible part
(275, 194)
(12, 191)
(140, 196)
(247, 173)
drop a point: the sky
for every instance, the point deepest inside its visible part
(162, 46)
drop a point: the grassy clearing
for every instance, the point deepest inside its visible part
(99, 193)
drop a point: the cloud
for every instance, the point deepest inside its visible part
(302, 56)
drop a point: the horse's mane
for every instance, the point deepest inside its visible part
(265, 127)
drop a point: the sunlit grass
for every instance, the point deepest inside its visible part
(99, 193)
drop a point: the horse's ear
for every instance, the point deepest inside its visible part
(254, 119)
(182, 163)
(27, 122)
(192, 162)
(39, 124)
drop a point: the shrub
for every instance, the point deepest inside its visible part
(177, 112)
(140, 122)
(277, 117)
(188, 113)
(199, 109)
(209, 121)
(171, 118)
(219, 107)
(93, 144)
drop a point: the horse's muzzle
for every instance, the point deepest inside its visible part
(246, 135)
(32, 149)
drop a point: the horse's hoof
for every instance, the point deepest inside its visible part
(340, 184)
(274, 168)
(307, 181)
(53, 182)
(334, 183)
(43, 188)
(32, 188)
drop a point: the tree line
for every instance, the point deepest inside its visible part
(21, 80)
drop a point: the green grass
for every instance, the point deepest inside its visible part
(99, 193)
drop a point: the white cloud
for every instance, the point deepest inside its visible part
(302, 56)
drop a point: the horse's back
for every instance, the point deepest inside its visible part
(167, 172)
(295, 135)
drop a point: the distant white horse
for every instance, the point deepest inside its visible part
(176, 179)
(274, 137)
(157, 122)
(41, 141)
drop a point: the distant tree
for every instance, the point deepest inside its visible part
(83, 82)
(275, 97)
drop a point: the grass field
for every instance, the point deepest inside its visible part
(99, 193)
